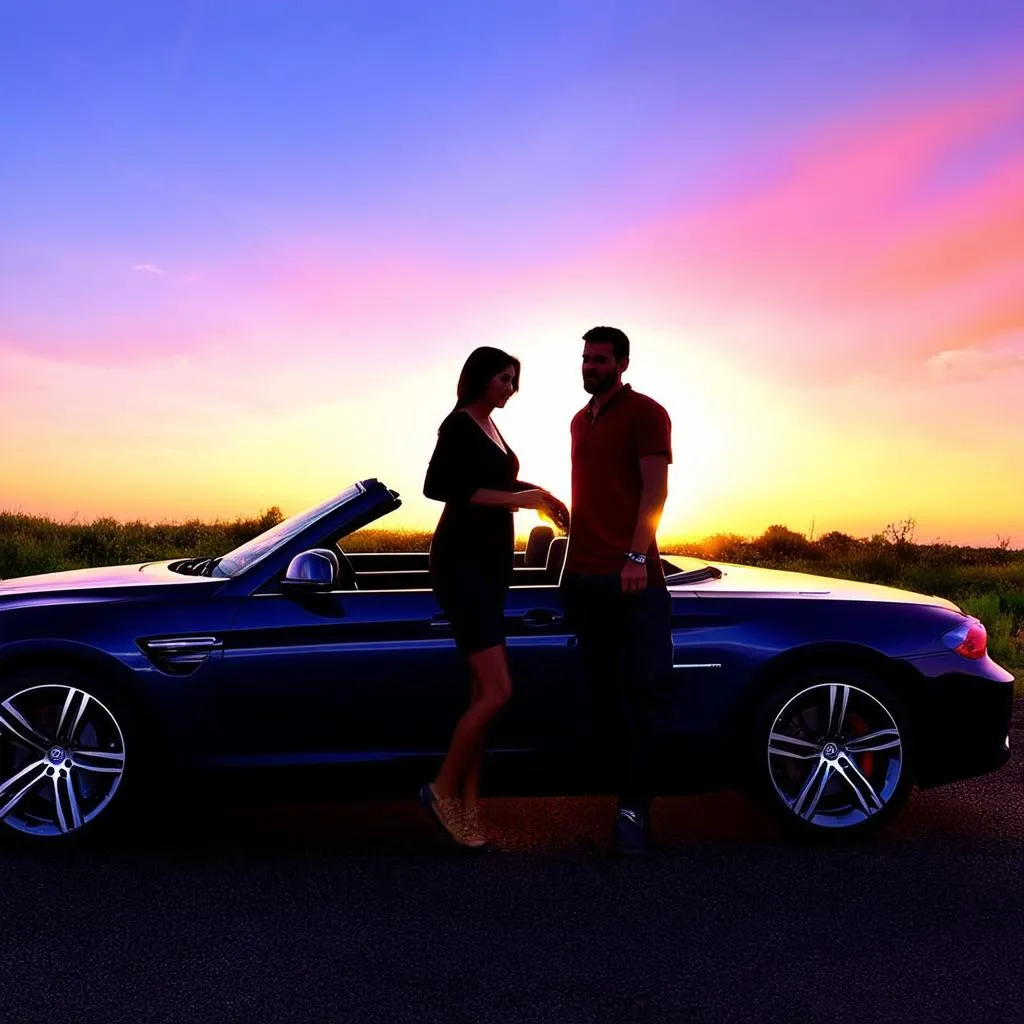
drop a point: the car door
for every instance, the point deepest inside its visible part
(550, 713)
(338, 676)
(540, 727)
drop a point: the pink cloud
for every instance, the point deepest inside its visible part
(1002, 355)
(849, 189)
(976, 230)
(845, 255)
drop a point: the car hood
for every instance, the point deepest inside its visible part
(751, 581)
(111, 577)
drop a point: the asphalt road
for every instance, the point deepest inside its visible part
(358, 913)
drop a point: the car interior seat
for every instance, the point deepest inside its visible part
(537, 547)
(556, 559)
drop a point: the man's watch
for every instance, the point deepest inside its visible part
(637, 556)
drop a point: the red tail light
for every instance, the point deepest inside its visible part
(969, 639)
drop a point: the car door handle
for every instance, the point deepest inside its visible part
(537, 618)
(440, 623)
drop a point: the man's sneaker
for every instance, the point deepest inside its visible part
(630, 831)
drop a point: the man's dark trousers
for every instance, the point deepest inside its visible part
(625, 643)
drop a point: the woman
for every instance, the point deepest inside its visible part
(474, 472)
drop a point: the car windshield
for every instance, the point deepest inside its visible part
(241, 558)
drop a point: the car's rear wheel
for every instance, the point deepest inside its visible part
(67, 760)
(832, 752)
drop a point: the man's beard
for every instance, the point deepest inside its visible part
(599, 383)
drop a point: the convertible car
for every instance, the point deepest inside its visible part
(123, 687)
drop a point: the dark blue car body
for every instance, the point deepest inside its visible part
(235, 672)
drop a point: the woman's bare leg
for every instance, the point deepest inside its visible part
(492, 688)
(471, 784)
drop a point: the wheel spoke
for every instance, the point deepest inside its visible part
(818, 777)
(778, 741)
(14, 723)
(66, 802)
(838, 698)
(98, 761)
(880, 739)
(16, 786)
(781, 737)
(73, 706)
(862, 788)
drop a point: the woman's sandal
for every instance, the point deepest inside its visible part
(449, 814)
(473, 827)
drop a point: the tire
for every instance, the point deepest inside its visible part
(832, 753)
(72, 759)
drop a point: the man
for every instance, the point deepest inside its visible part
(613, 587)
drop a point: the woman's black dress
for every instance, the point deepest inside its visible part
(472, 549)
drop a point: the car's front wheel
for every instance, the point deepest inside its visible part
(64, 755)
(832, 752)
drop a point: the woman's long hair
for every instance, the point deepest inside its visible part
(483, 364)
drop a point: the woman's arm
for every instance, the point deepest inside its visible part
(531, 497)
(549, 506)
(450, 471)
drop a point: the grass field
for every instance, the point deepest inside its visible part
(986, 582)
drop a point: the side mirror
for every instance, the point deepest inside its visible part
(312, 571)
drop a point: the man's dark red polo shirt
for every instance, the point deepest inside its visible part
(606, 481)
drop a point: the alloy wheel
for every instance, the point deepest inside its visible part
(62, 758)
(835, 755)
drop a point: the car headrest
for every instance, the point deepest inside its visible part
(556, 553)
(537, 547)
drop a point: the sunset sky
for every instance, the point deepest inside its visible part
(246, 246)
